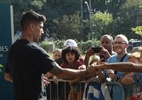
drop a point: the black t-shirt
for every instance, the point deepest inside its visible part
(27, 62)
(7, 70)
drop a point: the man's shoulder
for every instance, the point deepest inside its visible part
(114, 53)
(113, 56)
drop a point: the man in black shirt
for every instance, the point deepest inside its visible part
(27, 62)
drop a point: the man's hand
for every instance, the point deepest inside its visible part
(55, 79)
(89, 52)
(46, 81)
(105, 52)
(92, 70)
(100, 66)
(82, 67)
(137, 96)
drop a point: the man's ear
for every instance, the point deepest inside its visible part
(31, 26)
(127, 45)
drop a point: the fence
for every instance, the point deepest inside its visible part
(61, 91)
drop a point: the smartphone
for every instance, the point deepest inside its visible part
(102, 57)
(96, 49)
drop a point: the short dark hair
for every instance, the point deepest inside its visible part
(31, 16)
(71, 49)
(109, 36)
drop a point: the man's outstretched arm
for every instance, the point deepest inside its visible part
(121, 66)
(66, 73)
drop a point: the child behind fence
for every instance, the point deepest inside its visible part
(70, 56)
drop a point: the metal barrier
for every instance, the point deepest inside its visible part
(61, 91)
(121, 87)
(133, 89)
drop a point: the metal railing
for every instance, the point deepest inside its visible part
(61, 91)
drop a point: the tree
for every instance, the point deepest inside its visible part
(56, 10)
(138, 30)
(130, 17)
(100, 23)
(19, 6)
(125, 15)
(111, 6)
(68, 27)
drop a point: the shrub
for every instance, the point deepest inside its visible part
(44, 45)
(1, 67)
(83, 46)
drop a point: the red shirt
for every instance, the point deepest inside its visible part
(75, 65)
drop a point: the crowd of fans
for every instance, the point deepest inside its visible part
(109, 51)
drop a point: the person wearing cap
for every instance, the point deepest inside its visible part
(61, 85)
(70, 42)
(70, 56)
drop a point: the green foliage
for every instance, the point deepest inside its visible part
(44, 45)
(38, 3)
(68, 27)
(55, 9)
(140, 7)
(105, 18)
(83, 46)
(1, 67)
(48, 46)
(63, 22)
(137, 30)
(131, 5)
(59, 43)
(130, 16)
(19, 6)
(101, 22)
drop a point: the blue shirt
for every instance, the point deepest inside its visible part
(113, 59)
(117, 91)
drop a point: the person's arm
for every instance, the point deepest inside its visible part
(8, 77)
(127, 79)
(105, 52)
(81, 67)
(75, 80)
(121, 66)
(89, 53)
(66, 73)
